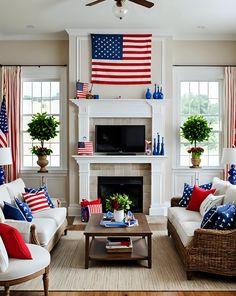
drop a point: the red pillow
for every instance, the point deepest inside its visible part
(198, 196)
(14, 243)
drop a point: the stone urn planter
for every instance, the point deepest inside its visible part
(196, 160)
(42, 162)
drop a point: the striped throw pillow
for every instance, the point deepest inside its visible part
(36, 201)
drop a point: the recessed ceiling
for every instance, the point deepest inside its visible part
(181, 19)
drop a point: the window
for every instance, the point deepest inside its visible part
(42, 91)
(200, 91)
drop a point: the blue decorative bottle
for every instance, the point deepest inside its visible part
(155, 94)
(162, 151)
(160, 94)
(154, 147)
(158, 144)
(148, 94)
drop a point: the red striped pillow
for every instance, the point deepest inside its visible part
(36, 201)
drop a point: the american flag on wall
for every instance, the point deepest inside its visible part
(85, 148)
(3, 124)
(81, 90)
(121, 58)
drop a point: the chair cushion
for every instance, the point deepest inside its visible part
(4, 195)
(181, 214)
(11, 212)
(209, 202)
(14, 243)
(4, 260)
(45, 229)
(230, 195)
(186, 230)
(220, 185)
(45, 189)
(15, 188)
(36, 201)
(187, 193)
(198, 197)
(21, 268)
(26, 211)
(57, 214)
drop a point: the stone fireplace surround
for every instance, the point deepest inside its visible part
(148, 112)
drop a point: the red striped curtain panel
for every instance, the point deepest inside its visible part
(121, 58)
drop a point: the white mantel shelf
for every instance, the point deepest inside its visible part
(157, 206)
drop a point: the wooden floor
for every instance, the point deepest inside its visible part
(214, 293)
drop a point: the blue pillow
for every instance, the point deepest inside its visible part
(11, 212)
(209, 219)
(226, 216)
(24, 209)
(45, 189)
(187, 193)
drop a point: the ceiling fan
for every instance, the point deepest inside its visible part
(120, 3)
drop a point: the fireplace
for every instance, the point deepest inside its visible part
(132, 186)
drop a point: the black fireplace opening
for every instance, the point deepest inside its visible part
(132, 186)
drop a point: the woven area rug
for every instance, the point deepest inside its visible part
(67, 271)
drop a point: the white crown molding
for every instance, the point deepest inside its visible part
(49, 36)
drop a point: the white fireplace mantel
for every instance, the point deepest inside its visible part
(122, 108)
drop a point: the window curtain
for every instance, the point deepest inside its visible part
(11, 88)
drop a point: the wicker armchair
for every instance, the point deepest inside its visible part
(212, 251)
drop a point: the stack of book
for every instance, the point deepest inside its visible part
(119, 245)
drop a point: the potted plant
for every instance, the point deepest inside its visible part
(196, 129)
(42, 128)
(117, 203)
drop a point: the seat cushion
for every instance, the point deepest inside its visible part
(181, 214)
(57, 214)
(45, 229)
(20, 268)
(186, 230)
(15, 188)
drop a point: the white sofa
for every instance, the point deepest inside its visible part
(46, 227)
(206, 250)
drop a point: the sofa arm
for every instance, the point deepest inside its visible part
(174, 202)
(27, 230)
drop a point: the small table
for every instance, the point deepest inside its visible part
(95, 238)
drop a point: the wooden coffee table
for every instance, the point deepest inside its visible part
(95, 237)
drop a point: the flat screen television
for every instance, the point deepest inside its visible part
(120, 139)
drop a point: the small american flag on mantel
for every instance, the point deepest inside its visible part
(85, 148)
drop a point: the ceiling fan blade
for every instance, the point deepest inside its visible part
(145, 3)
(94, 3)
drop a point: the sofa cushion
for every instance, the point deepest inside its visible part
(209, 219)
(198, 197)
(220, 185)
(15, 188)
(45, 229)
(24, 208)
(45, 189)
(181, 214)
(226, 215)
(11, 212)
(4, 260)
(14, 243)
(57, 214)
(230, 195)
(4, 195)
(209, 202)
(186, 230)
(187, 193)
(36, 201)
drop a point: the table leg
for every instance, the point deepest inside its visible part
(86, 251)
(149, 251)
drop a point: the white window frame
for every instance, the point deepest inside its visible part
(36, 73)
(194, 73)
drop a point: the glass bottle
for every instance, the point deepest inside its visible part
(155, 94)
(148, 94)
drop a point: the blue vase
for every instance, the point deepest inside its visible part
(155, 94)
(148, 94)
(160, 94)
(162, 151)
(154, 147)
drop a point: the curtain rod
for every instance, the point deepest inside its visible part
(204, 65)
(65, 65)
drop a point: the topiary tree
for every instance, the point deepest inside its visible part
(43, 128)
(196, 129)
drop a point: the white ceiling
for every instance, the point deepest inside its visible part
(182, 19)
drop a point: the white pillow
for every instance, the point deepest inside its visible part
(15, 189)
(4, 260)
(209, 202)
(2, 217)
(220, 185)
(230, 195)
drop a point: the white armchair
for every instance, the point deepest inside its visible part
(16, 271)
